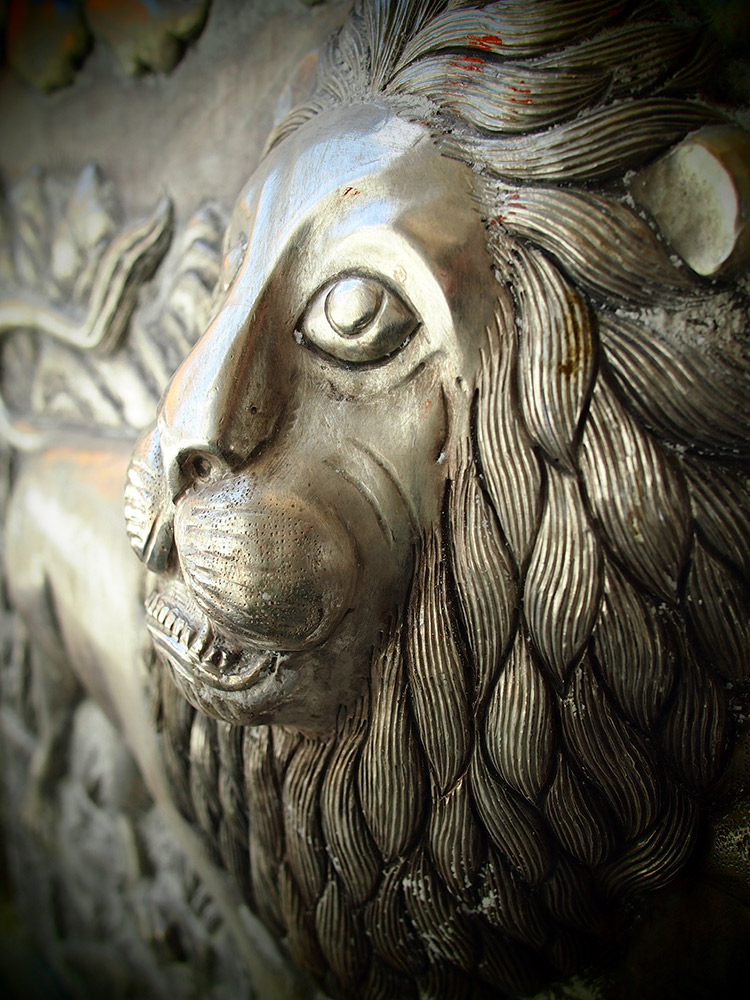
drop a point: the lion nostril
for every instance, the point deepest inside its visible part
(199, 467)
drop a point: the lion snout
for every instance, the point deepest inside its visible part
(265, 565)
(148, 510)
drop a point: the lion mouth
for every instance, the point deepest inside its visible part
(194, 650)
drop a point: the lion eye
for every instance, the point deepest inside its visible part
(358, 319)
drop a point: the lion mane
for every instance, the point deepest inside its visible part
(549, 716)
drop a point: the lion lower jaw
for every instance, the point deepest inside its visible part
(197, 654)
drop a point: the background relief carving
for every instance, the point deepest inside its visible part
(434, 665)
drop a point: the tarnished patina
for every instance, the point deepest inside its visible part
(444, 516)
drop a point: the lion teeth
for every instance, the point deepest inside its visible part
(202, 641)
(198, 641)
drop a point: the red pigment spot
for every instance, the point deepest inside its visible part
(521, 90)
(474, 64)
(485, 41)
(351, 190)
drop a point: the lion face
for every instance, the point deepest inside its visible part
(300, 450)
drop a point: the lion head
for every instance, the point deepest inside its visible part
(451, 495)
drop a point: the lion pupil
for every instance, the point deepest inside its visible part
(351, 305)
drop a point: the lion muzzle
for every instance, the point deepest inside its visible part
(265, 565)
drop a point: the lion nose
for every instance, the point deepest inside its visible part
(148, 509)
(223, 406)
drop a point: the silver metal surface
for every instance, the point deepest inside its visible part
(444, 516)
(294, 505)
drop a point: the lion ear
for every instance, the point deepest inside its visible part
(698, 195)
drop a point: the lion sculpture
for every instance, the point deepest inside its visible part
(447, 510)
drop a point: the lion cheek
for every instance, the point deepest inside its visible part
(265, 566)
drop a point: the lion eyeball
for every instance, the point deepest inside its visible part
(358, 319)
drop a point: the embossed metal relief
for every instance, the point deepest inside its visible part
(74, 273)
(46, 42)
(445, 514)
